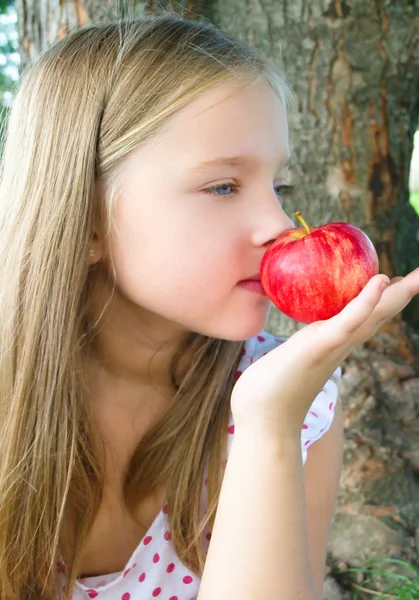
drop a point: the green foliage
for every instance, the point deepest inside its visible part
(414, 200)
(9, 52)
(378, 583)
(5, 5)
(9, 60)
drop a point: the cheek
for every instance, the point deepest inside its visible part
(182, 259)
(184, 268)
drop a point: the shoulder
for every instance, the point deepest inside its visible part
(321, 412)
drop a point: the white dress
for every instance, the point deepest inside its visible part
(154, 570)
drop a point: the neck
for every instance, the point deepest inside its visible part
(132, 345)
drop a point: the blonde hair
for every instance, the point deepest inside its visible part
(80, 110)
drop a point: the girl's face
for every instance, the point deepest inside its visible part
(187, 233)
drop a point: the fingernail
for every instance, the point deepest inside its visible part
(384, 284)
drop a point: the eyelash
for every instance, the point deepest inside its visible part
(285, 189)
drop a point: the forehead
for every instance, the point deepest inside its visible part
(228, 120)
(231, 112)
(232, 116)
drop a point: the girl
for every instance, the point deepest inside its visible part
(142, 182)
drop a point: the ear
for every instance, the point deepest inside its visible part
(97, 243)
(95, 250)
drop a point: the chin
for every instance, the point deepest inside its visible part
(236, 331)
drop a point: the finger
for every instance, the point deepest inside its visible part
(360, 309)
(412, 281)
(397, 296)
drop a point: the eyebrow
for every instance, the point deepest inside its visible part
(231, 161)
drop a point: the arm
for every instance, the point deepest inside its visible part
(259, 546)
(262, 545)
(322, 474)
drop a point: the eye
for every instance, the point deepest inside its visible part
(222, 189)
(229, 189)
(284, 189)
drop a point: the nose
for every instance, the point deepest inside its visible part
(269, 223)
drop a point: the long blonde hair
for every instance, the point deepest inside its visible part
(80, 109)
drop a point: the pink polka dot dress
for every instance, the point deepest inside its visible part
(154, 570)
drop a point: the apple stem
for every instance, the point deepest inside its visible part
(300, 218)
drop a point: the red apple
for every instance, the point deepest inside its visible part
(311, 273)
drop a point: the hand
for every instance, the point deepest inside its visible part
(276, 392)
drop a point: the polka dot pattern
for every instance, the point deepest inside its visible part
(321, 412)
(154, 570)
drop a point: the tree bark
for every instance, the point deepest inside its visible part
(354, 69)
(41, 22)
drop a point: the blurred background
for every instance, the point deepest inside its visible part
(354, 69)
(9, 54)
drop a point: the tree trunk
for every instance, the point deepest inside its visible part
(354, 69)
(41, 22)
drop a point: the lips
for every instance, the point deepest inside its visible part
(253, 278)
(252, 285)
